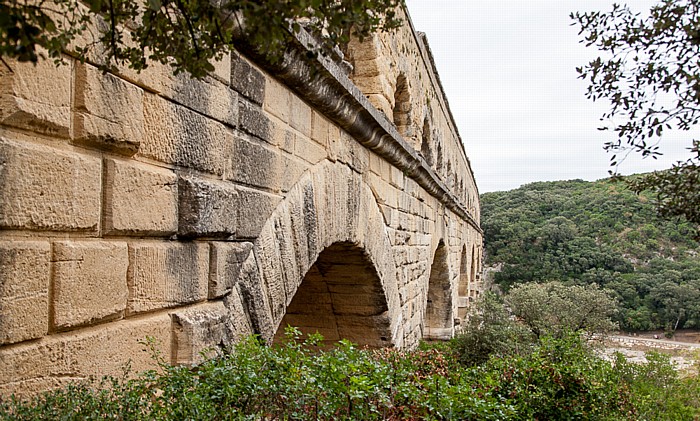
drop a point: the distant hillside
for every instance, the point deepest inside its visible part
(599, 232)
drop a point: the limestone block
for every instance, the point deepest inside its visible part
(347, 150)
(207, 96)
(308, 150)
(254, 298)
(252, 120)
(108, 111)
(226, 261)
(200, 333)
(24, 290)
(255, 165)
(291, 171)
(166, 274)
(207, 207)
(254, 207)
(319, 129)
(89, 282)
(46, 189)
(277, 99)
(247, 80)
(139, 199)
(36, 97)
(238, 321)
(179, 136)
(300, 116)
(283, 138)
(53, 361)
(222, 68)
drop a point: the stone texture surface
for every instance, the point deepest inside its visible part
(255, 164)
(167, 274)
(139, 199)
(246, 79)
(176, 135)
(108, 111)
(47, 189)
(226, 259)
(253, 121)
(89, 282)
(24, 290)
(36, 97)
(207, 208)
(200, 332)
(58, 359)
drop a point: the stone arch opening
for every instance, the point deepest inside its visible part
(425, 143)
(402, 106)
(463, 285)
(438, 310)
(473, 292)
(340, 297)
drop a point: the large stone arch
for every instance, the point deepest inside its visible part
(439, 321)
(330, 204)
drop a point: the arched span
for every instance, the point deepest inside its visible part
(439, 323)
(330, 204)
(341, 297)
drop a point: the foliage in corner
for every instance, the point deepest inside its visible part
(186, 34)
(651, 77)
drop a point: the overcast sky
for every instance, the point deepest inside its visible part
(508, 68)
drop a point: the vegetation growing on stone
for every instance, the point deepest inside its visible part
(599, 233)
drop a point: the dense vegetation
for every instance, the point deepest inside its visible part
(556, 379)
(601, 233)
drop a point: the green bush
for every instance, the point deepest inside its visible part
(557, 379)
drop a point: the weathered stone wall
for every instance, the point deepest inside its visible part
(191, 212)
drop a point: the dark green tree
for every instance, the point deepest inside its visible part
(186, 34)
(650, 73)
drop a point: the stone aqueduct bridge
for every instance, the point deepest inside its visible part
(333, 195)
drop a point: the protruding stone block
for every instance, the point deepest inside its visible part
(179, 136)
(46, 189)
(207, 208)
(246, 79)
(253, 121)
(166, 274)
(89, 283)
(108, 111)
(255, 165)
(139, 199)
(37, 96)
(24, 290)
(226, 260)
(254, 208)
(200, 333)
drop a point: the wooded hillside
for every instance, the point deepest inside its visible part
(597, 232)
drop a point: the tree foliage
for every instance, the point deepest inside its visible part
(650, 74)
(186, 34)
(553, 309)
(600, 233)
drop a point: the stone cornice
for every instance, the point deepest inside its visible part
(323, 84)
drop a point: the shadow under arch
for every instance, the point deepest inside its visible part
(439, 324)
(340, 297)
(328, 209)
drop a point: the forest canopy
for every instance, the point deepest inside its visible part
(600, 233)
